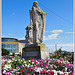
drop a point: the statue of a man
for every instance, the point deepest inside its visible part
(37, 20)
(29, 34)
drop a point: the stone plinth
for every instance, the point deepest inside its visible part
(38, 51)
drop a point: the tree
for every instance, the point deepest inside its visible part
(5, 52)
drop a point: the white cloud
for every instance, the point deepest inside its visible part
(54, 35)
(61, 45)
(10, 34)
(3, 36)
(66, 47)
(56, 31)
(50, 37)
(57, 42)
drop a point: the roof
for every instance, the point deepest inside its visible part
(22, 41)
(9, 38)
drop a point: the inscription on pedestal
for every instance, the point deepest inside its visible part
(31, 52)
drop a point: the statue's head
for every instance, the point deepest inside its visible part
(35, 3)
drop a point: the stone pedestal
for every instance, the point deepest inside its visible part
(38, 51)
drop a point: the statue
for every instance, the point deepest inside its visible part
(36, 29)
(34, 48)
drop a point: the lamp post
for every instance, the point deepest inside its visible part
(49, 50)
(56, 47)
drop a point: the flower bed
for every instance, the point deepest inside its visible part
(19, 66)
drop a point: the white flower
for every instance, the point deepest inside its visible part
(61, 72)
(29, 60)
(32, 65)
(12, 58)
(25, 64)
(48, 70)
(48, 61)
(9, 61)
(38, 69)
(23, 59)
(15, 60)
(7, 66)
(38, 62)
(65, 68)
(32, 62)
(55, 72)
(4, 71)
(18, 59)
(28, 65)
(45, 60)
(61, 61)
(66, 73)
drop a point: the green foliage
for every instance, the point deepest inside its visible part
(58, 54)
(65, 54)
(20, 54)
(13, 54)
(17, 62)
(5, 52)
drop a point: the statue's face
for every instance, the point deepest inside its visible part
(35, 4)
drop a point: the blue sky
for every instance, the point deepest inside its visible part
(15, 18)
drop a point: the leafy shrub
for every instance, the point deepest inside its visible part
(13, 54)
(5, 52)
(20, 54)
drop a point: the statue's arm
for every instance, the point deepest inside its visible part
(40, 11)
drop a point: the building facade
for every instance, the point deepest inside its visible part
(12, 45)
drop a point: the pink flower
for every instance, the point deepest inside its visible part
(72, 74)
(3, 62)
(32, 60)
(62, 70)
(70, 62)
(63, 74)
(60, 59)
(22, 71)
(25, 61)
(2, 66)
(46, 72)
(35, 62)
(20, 57)
(61, 64)
(55, 51)
(59, 49)
(28, 74)
(67, 64)
(51, 72)
(46, 63)
(73, 70)
(1, 71)
(36, 66)
(59, 54)
(2, 57)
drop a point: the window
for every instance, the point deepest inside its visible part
(12, 47)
